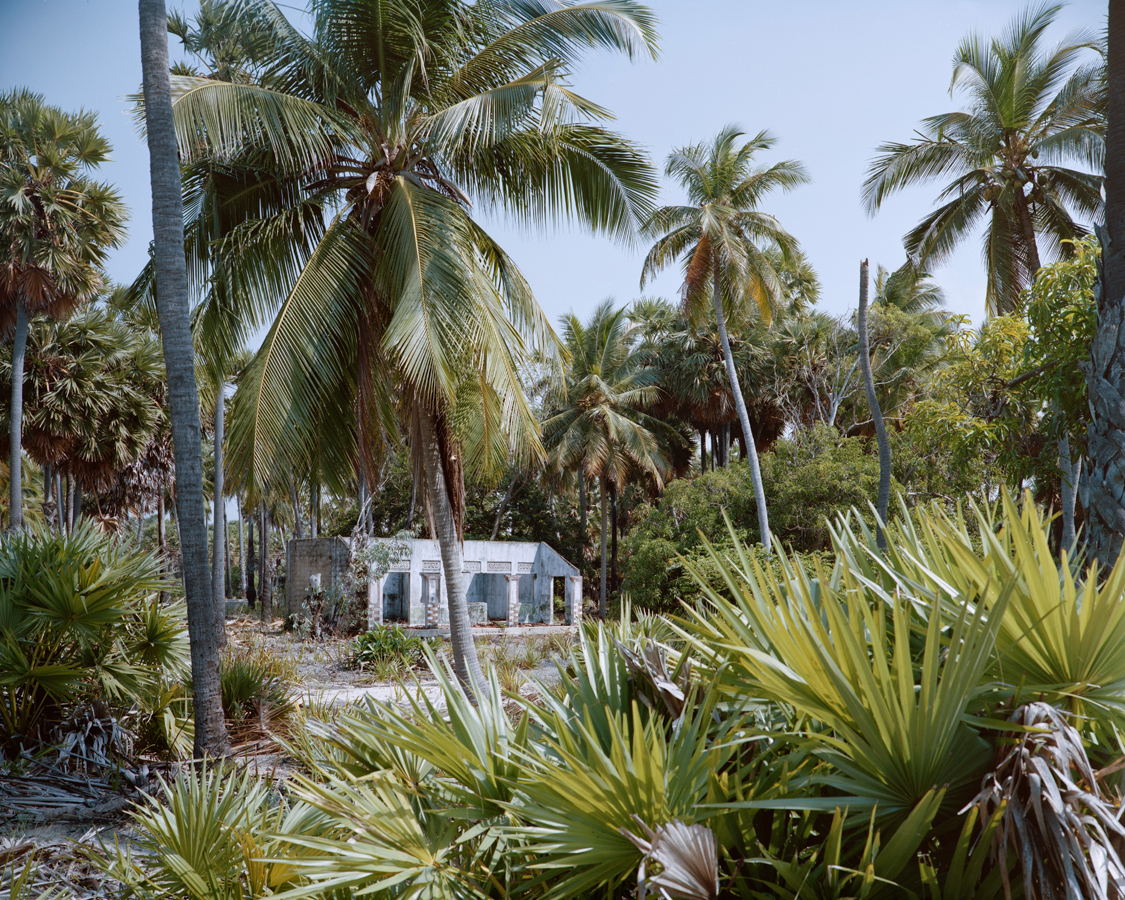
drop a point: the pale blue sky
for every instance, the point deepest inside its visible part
(830, 78)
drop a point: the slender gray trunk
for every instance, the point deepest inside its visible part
(76, 505)
(183, 398)
(1071, 472)
(361, 517)
(15, 427)
(582, 509)
(296, 508)
(265, 583)
(241, 549)
(876, 410)
(703, 451)
(605, 528)
(251, 590)
(219, 529)
(229, 584)
(59, 500)
(70, 517)
(465, 662)
(743, 416)
(48, 483)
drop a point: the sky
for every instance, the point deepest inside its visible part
(830, 79)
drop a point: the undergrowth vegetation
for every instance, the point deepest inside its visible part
(874, 728)
(80, 625)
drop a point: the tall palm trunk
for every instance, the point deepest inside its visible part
(613, 537)
(219, 530)
(183, 399)
(605, 528)
(465, 662)
(1105, 513)
(15, 422)
(241, 549)
(743, 416)
(296, 509)
(582, 511)
(251, 590)
(265, 583)
(876, 410)
(702, 451)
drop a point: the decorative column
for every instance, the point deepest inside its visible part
(513, 600)
(572, 593)
(431, 599)
(374, 603)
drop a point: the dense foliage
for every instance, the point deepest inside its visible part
(840, 729)
(79, 623)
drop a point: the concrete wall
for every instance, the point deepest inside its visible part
(504, 580)
(326, 557)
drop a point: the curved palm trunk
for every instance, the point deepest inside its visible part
(219, 526)
(605, 527)
(465, 662)
(743, 417)
(876, 410)
(183, 399)
(15, 429)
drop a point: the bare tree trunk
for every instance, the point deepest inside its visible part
(241, 549)
(876, 411)
(15, 421)
(48, 496)
(605, 528)
(465, 662)
(613, 535)
(1071, 471)
(503, 508)
(251, 591)
(161, 526)
(702, 451)
(582, 508)
(265, 591)
(219, 529)
(70, 516)
(59, 500)
(1105, 512)
(296, 508)
(743, 416)
(183, 399)
(229, 585)
(76, 505)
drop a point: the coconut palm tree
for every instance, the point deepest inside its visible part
(1030, 113)
(170, 267)
(407, 319)
(601, 431)
(56, 226)
(1106, 434)
(723, 239)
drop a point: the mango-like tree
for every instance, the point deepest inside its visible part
(56, 226)
(724, 238)
(1031, 112)
(407, 320)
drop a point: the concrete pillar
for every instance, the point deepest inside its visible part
(374, 603)
(513, 600)
(431, 600)
(572, 592)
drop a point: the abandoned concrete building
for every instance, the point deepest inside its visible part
(511, 583)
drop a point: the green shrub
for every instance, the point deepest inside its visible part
(80, 621)
(807, 482)
(387, 646)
